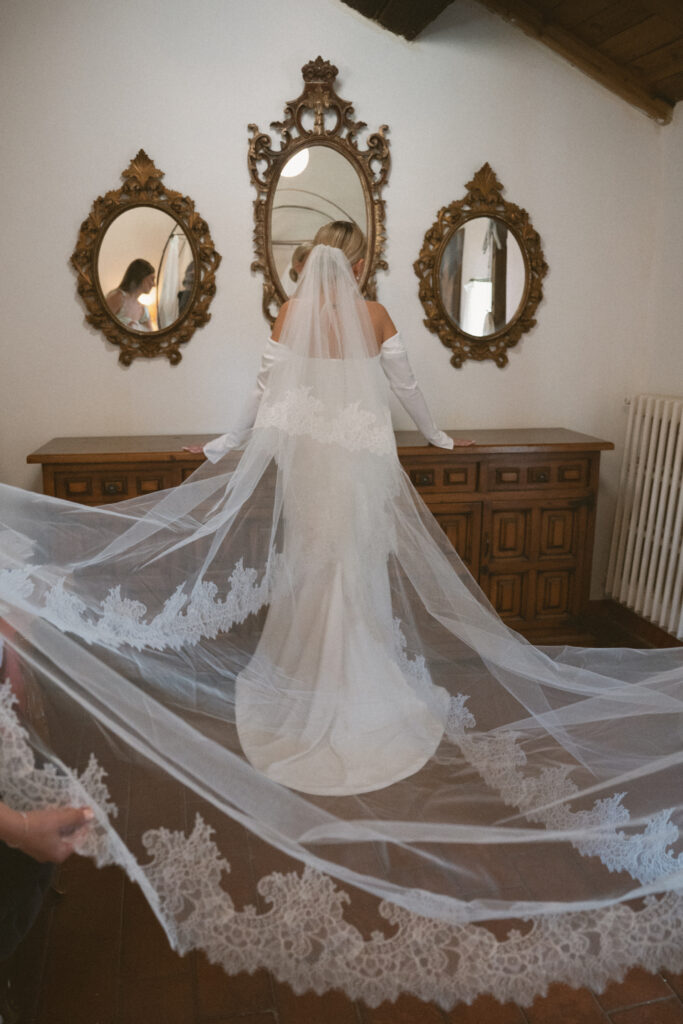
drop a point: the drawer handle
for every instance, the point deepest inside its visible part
(541, 478)
(112, 488)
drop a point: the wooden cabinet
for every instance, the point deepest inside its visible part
(518, 506)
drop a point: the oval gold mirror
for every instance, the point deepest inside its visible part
(146, 266)
(316, 185)
(480, 271)
(318, 174)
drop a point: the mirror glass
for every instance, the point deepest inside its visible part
(317, 185)
(482, 276)
(146, 269)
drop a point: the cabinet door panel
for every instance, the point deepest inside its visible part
(562, 534)
(510, 533)
(558, 532)
(555, 594)
(462, 526)
(508, 592)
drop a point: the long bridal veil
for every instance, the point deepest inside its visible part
(287, 646)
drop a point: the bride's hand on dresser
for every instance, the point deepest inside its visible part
(194, 449)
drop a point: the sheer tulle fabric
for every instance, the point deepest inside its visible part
(289, 644)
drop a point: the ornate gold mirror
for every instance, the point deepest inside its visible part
(480, 270)
(146, 266)
(319, 173)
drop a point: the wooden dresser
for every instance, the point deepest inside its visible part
(519, 506)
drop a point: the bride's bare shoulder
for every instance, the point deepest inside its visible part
(381, 321)
(281, 317)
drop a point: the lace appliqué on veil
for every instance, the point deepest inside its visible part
(300, 413)
(303, 937)
(15, 583)
(26, 787)
(184, 619)
(543, 797)
(305, 940)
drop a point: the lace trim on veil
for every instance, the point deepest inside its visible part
(497, 757)
(543, 797)
(184, 619)
(300, 414)
(303, 937)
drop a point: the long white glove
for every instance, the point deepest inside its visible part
(247, 414)
(394, 361)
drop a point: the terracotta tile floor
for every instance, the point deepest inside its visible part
(97, 955)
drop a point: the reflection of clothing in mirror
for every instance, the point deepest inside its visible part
(130, 312)
(185, 293)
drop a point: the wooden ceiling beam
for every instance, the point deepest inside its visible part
(669, 10)
(620, 80)
(402, 17)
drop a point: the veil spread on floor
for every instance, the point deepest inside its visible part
(287, 648)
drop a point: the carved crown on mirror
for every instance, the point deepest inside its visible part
(146, 223)
(318, 174)
(481, 270)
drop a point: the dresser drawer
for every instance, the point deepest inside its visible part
(99, 486)
(435, 477)
(538, 473)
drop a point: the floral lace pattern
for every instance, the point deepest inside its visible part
(184, 619)
(15, 583)
(25, 787)
(303, 937)
(414, 668)
(300, 413)
(500, 761)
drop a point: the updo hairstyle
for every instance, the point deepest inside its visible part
(344, 235)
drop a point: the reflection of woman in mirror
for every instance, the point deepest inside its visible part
(124, 300)
(299, 257)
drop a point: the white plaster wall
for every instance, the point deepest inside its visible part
(83, 86)
(662, 360)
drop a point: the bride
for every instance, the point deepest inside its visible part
(325, 705)
(289, 641)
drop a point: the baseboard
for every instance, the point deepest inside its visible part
(612, 614)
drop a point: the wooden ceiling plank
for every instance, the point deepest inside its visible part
(670, 10)
(672, 87)
(547, 5)
(624, 82)
(569, 13)
(641, 39)
(610, 20)
(661, 63)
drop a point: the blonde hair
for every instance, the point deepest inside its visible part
(344, 235)
(300, 255)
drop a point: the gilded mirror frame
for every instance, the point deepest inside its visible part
(320, 104)
(143, 187)
(483, 199)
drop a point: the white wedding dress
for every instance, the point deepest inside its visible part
(326, 704)
(288, 642)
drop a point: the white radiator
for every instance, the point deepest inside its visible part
(645, 570)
